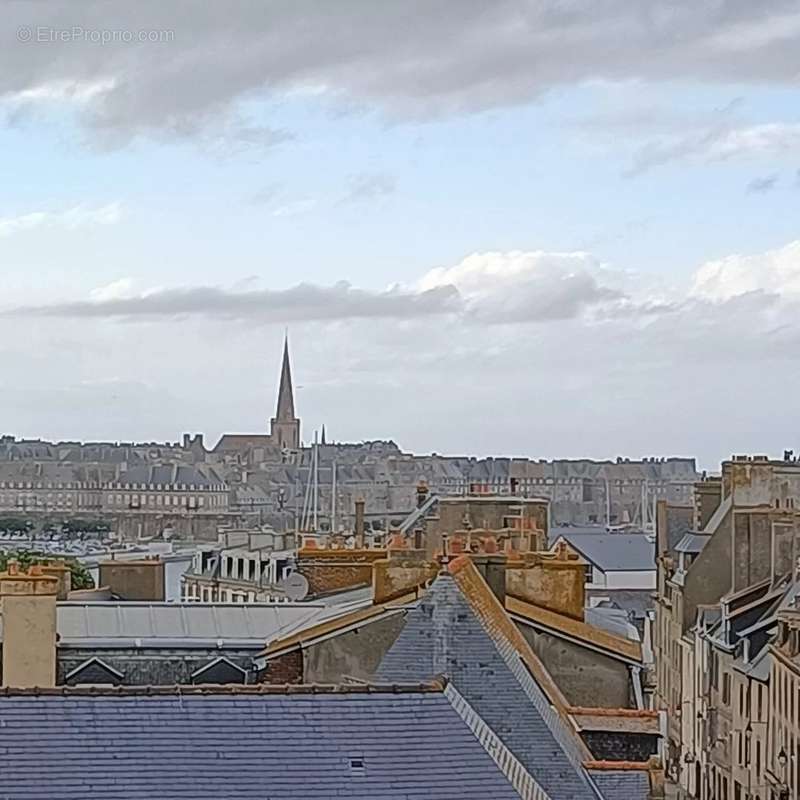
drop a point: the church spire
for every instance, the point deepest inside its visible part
(285, 410)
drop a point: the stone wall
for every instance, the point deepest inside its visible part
(337, 569)
(400, 574)
(621, 746)
(355, 654)
(585, 677)
(549, 582)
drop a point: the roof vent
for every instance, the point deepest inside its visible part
(357, 765)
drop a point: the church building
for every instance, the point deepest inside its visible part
(284, 427)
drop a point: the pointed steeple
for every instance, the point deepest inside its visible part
(284, 426)
(285, 410)
(323, 434)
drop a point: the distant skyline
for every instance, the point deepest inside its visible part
(544, 229)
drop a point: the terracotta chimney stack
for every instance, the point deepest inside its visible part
(28, 606)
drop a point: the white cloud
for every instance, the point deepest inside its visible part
(720, 142)
(689, 376)
(521, 286)
(60, 91)
(115, 290)
(76, 217)
(775, 272)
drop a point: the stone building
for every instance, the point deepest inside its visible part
(253, 449)
(462, 622)
(244, 567)
(782, 760)
(726, 567)
(47, 642)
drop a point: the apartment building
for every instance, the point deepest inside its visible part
(726, 575)
(244, 567)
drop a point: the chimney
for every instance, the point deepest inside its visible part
(62, 573)
(359, 523)
(28, 607)
(134, 580)
(492, 566)
(555, 581)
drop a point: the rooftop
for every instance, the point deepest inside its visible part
(141, 625)
(614, 552)
(460, 630)
(281, 743)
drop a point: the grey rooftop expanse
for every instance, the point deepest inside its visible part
(443, 636)
(382, 745)
(615, 552)
(186, 624)
(622, 784)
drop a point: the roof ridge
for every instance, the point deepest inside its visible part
(528, 669)
(463, 569)
(514, 770)
(433, 686)
(579, 628)
(601, 711)
(644, 766)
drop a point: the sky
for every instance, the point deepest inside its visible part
(544, 229)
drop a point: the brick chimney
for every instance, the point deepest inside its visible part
(28, 606)
(555, 581)
(62, 573)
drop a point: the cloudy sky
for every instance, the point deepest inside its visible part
(534, 227)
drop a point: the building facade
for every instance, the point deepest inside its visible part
(726, 576)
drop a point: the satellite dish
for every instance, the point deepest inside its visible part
(295, 587)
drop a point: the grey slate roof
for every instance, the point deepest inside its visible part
(637, 602)
(622, 784)
(278, 746)
(692, 543)
(615, 552)
(170, 474)
(443, 636)
(612, 620)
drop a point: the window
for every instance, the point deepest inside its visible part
(758, 758)
(726, 688)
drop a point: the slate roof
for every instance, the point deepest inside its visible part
(623, 784)
(171, 474)
(692, 543)
(636, 602)
(562, 625)
(615, 552)
(612, 620)
(281, 745)
(451, 635)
